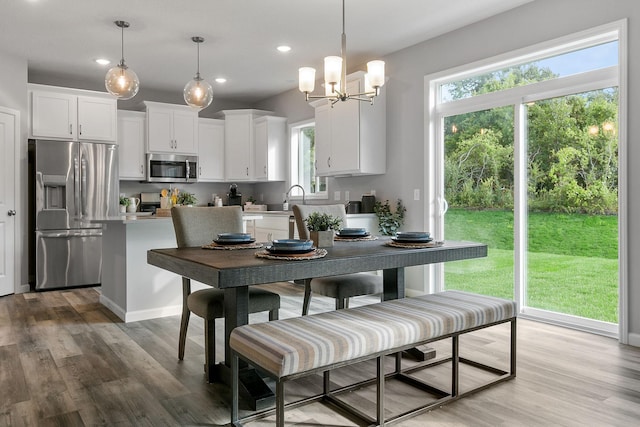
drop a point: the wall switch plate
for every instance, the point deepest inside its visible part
(336, 195)
(416, 194)
(346, 196)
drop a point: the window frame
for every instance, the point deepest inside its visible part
(294, 166)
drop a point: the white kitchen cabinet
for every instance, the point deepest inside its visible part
(210, 150)
(270, 148)
(350, 137)
(239, 143)
(131, 145)
(171, 128)
(71, 114)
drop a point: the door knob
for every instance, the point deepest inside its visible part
(11, 212)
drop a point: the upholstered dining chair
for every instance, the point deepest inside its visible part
(339, 287)
(195, 226)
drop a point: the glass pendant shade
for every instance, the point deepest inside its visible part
(306, 79)
(332, 70)
(375, 70)
(198, 93)
(121, 81)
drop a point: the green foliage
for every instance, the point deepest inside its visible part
(317, 221)
(389, 222)
(572, 152)
(185, 198)
(124, 201)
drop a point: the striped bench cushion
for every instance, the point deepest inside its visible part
(295, 345)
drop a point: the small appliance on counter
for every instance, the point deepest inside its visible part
(368, 203)
(235, 198)
(149, 202)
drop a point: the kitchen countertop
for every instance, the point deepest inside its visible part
(139, 217)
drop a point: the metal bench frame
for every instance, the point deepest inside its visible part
(404, 375)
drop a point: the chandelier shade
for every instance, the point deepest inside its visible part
(198, 93)
(121, 81)
(335, 76)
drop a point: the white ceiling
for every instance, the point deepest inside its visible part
(64, 37)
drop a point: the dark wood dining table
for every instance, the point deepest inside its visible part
(235, 270)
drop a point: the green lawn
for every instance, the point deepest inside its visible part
(572, 260)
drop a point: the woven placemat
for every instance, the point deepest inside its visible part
(432, 244)
(214, 245)
(354, 239)
(318, 253)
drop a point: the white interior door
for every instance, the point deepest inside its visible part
(8, 139)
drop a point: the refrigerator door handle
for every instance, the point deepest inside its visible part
(76, 185)
(83, 185)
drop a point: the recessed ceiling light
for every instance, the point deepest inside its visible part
(284, 48)
(103, 61)
(221, 80)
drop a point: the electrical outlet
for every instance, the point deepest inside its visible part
(372, 192)
(416, 194)
(346, 196)
(336, 195)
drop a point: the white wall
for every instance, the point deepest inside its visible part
(527, 25)
(13, 94)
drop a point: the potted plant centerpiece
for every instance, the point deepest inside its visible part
(187, 199)
(321, 228)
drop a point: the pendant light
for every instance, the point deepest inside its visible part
(122, 81)
(335, 76)
(198, 93)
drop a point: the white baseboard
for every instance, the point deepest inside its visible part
(136, 316)
(23, 289)
(634, 340)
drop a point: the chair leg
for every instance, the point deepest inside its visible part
(273, 314)
(184, 321)
(307, 297)
(209, 349)
(340, 303)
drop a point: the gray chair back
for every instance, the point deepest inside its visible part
(301, 212)
(199, 226)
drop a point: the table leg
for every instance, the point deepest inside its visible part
(252, 388)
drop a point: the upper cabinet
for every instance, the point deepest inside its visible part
(71, 114)
(131, 141)
(350, 137)
(270, 148)
(211, 150)
(171, 128)
(254, 153)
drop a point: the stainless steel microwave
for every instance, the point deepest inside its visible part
(171, 168)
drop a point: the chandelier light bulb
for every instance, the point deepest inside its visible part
(121, 81)
(306, 79)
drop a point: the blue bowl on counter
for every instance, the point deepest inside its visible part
(292, 244)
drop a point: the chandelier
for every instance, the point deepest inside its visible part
(122, 81)
(335, 77)
(198, 93)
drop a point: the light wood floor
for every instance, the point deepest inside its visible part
(65, 360)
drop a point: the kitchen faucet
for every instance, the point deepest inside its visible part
(291, 188)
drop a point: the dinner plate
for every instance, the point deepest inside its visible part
(422, 240)
(353, 232)
(287, 251)
(292, 244)
(234, 241)
(353, 236)
(234, 236)
(413, 235)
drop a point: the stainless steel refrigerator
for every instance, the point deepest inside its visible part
(73, 182)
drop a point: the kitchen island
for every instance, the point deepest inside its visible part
(132, 289)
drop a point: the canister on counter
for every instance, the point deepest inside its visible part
(368, 202)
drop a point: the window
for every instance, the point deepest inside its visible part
(526, 158)
(303, 159)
